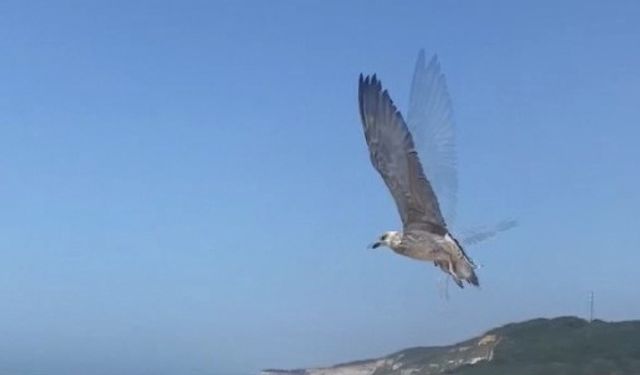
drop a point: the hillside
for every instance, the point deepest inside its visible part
(566, 346)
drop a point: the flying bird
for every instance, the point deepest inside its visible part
(424, 234)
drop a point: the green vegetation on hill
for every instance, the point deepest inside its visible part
(560, 346)
(563, 346)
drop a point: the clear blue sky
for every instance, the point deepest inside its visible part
(185, 188)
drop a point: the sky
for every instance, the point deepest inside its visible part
(185, 186)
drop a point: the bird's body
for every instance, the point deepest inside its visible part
(443, 250)
(425, 235)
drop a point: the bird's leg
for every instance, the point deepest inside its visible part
(451, 271)
(455, 277)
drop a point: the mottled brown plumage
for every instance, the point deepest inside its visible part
(393, 154)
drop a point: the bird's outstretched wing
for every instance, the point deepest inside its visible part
(430, 120)
(393, 154)
(478, 235)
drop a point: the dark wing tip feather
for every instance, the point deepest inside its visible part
(458, 282)
(421, 57)
(371, 85)
(434, 60)
(473, 279)
(364, 85)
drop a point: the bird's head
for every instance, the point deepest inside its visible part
(389, 239)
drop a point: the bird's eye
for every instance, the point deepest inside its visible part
(384, 237)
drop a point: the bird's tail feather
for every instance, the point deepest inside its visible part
(466, 271)
(463, 267)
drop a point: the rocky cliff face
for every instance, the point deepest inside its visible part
(427, 361)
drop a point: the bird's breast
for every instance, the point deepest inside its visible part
(419, 252)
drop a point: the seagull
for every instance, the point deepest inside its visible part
(424, 234)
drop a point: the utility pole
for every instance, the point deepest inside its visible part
(591, 303)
